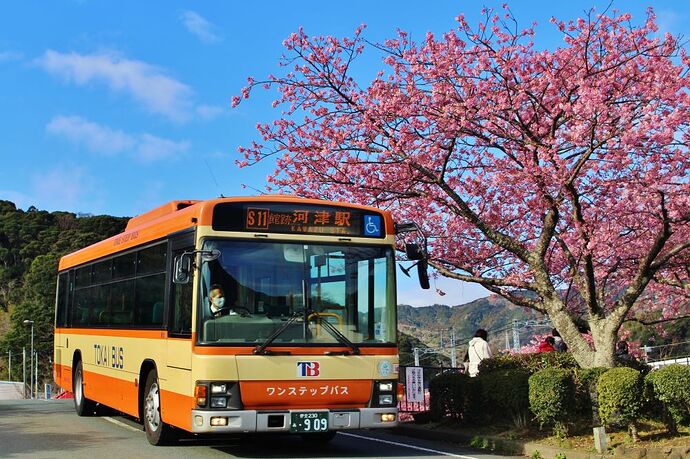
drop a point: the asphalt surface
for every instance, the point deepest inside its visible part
(51, 429)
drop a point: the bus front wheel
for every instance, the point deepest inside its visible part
(82, 405)
(157, 431)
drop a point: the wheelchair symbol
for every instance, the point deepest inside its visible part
(372, 225)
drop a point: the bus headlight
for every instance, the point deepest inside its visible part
(386, 386)
(219, 388)
(219, 402)
(386, 399)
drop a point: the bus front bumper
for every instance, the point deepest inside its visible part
(205, 421)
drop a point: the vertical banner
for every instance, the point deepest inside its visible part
(414, 377)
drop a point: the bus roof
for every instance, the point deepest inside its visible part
(180, 215)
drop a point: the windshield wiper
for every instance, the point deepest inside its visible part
(277, 332)
(354, 349)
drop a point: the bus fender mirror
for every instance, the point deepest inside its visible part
(423, 274)
(413, 251)
(183, 269)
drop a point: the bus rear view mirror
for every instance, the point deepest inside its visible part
(423, 275)
(413, 251)
(183, 269)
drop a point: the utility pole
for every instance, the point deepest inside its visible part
(31, 372)
(9, 365)
(452, 347)
(416, 356)
(36, 376)
(24, 371)
(516, 337)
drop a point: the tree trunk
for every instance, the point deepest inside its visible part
(603, 332)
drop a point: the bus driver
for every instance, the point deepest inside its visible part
(216, 299)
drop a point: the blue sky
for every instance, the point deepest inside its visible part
(118, 107)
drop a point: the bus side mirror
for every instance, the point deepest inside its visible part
(183, 269)
(423, 275)
(413, 251)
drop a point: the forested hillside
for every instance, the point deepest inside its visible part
(31, 243)
(491, 313)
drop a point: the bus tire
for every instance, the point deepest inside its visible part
(320, 438)
(157, 432)
(82, 405)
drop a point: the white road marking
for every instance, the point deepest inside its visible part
(428, 450)
(121, 424)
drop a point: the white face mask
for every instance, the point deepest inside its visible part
(218, 302)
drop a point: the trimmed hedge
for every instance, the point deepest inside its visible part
(531, 363)
(490, 397)
(506, 392)
(551, 395)
(447, 395)
(671, 386)
(620, 396)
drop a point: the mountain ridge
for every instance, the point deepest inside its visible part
(430, 324)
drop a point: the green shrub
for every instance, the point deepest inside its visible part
(506, 392)
(671, 386)
(447, 395)
(620, 397)
(551, 393)
(531, 363)
(474, 404)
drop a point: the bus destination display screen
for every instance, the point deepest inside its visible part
(297, 218)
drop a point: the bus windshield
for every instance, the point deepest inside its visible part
(264, 284)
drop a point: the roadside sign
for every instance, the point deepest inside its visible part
(414, 379)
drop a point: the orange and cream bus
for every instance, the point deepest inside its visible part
(254, 314)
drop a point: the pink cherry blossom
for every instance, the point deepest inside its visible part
(555, 178)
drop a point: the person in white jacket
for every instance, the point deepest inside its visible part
(478, 350)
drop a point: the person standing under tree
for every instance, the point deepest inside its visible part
(478, 350)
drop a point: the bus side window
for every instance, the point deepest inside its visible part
(61, 301)
(181, 310)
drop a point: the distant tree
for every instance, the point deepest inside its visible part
(555, 178)
(31, 244)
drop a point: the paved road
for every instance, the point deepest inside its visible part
(51, 429)
(10, 390)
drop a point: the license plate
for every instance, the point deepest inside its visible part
(309, 422)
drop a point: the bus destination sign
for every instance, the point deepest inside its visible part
(297, 218)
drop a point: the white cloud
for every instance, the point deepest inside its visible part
(94, 137)
(152, 148)
(208, 112)
(199, 26)
(145, 83)
(105, 140)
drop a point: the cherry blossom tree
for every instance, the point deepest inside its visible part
(555, 178)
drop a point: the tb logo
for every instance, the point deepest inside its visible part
(308, 369)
